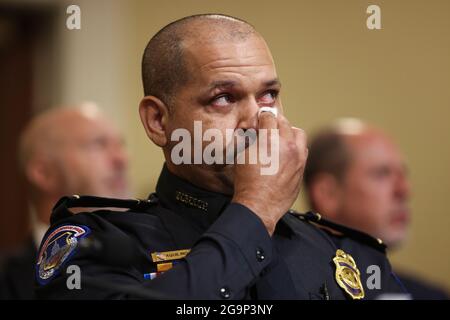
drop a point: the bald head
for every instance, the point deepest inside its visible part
(49, 131)
(73, 151)
(356, 176)
(164, 64)
(331, 150)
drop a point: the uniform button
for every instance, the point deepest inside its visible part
(260, 255)
(225, 293)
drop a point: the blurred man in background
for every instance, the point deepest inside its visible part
(62, 152)
(356, 176)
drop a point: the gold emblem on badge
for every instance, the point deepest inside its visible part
(347, 275)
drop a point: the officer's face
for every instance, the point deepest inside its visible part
(230, 81)
(375, 190)
(92, 159)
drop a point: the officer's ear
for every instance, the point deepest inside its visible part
(325, 193)
(42, 175)
(154, 116)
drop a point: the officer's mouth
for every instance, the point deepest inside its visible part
(401, 217)
(118, 183)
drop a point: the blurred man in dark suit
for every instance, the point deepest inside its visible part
(356, 176)
(62, 152)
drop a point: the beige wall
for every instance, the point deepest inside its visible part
(330, 65)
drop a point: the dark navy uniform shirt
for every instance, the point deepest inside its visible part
(188, 243)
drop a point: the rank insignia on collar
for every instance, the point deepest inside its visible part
(347, 275)
(191, 201)
(169, 255)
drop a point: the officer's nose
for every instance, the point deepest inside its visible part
(402, 186)
(119, 155)
(248, 115)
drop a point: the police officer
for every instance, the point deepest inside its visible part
(356, 176)
(211, 231)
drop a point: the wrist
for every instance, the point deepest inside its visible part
(259, 210)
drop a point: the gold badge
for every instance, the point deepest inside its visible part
(169, 255)
(347, 275)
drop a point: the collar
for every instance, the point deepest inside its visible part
(199, 206)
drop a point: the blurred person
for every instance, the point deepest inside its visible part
(64, 151)
(357, 176)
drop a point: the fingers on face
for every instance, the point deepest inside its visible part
(292, 135)
(301, 141)
(267, 120)
(285, 128)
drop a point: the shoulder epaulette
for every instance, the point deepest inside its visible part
(61, 208)
(346, 231)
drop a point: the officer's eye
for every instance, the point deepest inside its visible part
(222, 100)
(97, 143)
(268, 98)
(382, 172)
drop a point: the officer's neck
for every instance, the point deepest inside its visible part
(42, 208)
(207, 177)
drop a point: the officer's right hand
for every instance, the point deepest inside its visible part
(271, 196)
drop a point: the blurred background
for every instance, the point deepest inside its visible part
(331, 65)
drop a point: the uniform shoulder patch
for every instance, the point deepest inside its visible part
(58, 246)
